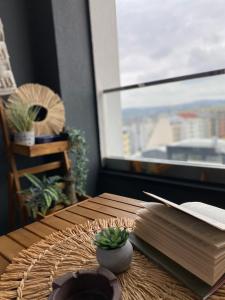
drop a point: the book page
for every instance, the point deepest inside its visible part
(193, 267)
(212, 212)
(215, 221)
(181, 236)
(192, 225)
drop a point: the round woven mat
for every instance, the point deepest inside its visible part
(31, 274)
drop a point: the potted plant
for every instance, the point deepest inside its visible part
(43, 194)
(20, 119)
(114, 250)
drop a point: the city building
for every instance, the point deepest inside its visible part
(198, 150)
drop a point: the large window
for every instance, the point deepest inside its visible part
(173, 101)
(166, 114)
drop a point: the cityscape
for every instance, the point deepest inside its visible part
(192, 132)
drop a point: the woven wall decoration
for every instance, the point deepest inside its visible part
(51, 117)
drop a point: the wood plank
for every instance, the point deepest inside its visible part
(9, 248)
(88, 213)
(122, 199)
(41, 149)
(3, 264)
(41, 168)
(24, 237)
(71, 217)
(108, 210)
(118, 205)
(56, 223)
(40, 229)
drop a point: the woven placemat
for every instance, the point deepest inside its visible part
(31, 274)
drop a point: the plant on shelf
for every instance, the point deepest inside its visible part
(78, 155)
(114, 250)
(43, 194)
(20, 119)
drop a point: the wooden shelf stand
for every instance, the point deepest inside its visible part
(40, 149)
(15, 174)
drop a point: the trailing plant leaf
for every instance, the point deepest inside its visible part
(78, 155)
(111, 238)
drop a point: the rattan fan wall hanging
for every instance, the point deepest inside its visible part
(51, 117)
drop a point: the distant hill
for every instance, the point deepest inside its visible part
(135, 112)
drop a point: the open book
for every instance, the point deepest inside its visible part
(191, 234)
(200, 288)
(207, 213)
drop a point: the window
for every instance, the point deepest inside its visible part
(168, 112)
(184, 120)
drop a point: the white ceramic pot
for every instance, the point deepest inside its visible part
(116, 260)
(24, 138)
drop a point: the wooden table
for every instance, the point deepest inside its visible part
(103, 206)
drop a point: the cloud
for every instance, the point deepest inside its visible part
(160, 39)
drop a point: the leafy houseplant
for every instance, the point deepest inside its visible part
(43, 194)
(78, 155)
(114, 250)
(20, 119)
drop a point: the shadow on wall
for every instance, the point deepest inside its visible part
(14, 17)
(3, 189)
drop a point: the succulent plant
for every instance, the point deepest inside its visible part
(111, 238)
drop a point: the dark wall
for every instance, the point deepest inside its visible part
(73, 43)
(14, 17)
(178, 191)
(42, 41)
(49, 43)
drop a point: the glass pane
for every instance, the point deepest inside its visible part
(160, 39)
(181, 121)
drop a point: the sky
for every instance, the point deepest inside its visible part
(158, 39)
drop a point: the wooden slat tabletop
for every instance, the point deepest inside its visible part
(103, 206)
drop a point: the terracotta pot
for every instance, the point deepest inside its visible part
(24, 138)
(116, 260)
(98, 284)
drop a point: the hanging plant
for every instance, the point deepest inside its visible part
(78, 155)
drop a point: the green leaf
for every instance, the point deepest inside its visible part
(34, 180)
(111, 238)
(48, 200)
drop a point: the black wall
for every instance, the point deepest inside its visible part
(73, 43)
(178, 191)
(14, 17)
(42, 41)
(49, 43)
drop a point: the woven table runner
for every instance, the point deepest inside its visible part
(31, 274)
